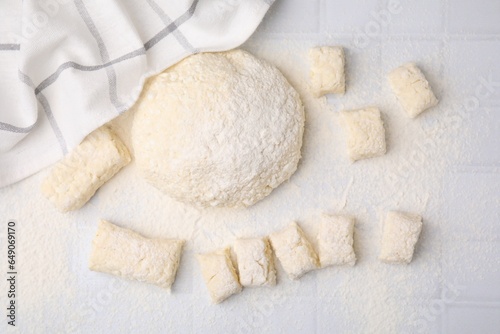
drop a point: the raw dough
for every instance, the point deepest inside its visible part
(218, 129)
(219, 275)
(412, 89)
(366, 134)
(400, 234)
(335, 241)
(255, 262)
(75, 179)
(294, 251)
(122, 252)
(327, 70)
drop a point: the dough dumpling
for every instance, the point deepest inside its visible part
(122, 252)
(294, 251)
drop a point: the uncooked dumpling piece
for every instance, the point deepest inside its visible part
(335, 241)
(219, 275)
(365, 133)
(75, 179)
(400, 235)
(294, 251)
(412, 89)
(122, 252)
(218, 130)
(255, 262)
(327, 70)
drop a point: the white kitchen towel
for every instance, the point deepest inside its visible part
(67, 67)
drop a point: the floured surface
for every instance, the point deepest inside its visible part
(444, 165)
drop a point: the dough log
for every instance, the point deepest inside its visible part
(400, 235)
(365, 133)
(327, 70)
(336, 240)
(255, 262)
(122, 252)
(76, 178)
(412, 89)
(294, 251)
(219, 275)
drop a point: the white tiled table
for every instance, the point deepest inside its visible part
(457, 43)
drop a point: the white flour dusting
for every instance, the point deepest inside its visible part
(370, 297)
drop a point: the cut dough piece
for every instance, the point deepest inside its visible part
(255, 262)
(412, 89)
(335, 240)
(294, 251)
(327, 70)
(219, 275)
(365, 133)
(400, 234)
(218, 130)
(76, 178)
(122, 252)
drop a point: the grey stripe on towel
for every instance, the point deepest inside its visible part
(10, 47)
(110, 71)
(48, 112)
(149, 44)
(167, 21)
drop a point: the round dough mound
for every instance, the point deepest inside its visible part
(218, 129)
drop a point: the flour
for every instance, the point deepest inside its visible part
(458, 246)
(372, 297)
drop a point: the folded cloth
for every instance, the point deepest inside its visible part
(67, 67)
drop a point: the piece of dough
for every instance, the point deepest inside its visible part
(335, 241)
(255, 262)
(294, 251)
(75, 179)
(327, 70)
(412, 89)
(218, 129)
(219, 275)
(122, 252)
(400, 234)
(365, 133)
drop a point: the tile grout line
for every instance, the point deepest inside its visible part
(444, 319)
(322, 18)
(393, 37)
(483, 304)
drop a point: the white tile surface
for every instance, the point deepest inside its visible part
(470, 270)
(338, 15)
(452, 284)
(463, 319)
(417, 18)
(474, 212)
(292, 16)
(474, 16)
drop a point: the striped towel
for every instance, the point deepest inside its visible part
(67, 67)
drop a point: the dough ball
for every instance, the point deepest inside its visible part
(218, 129)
